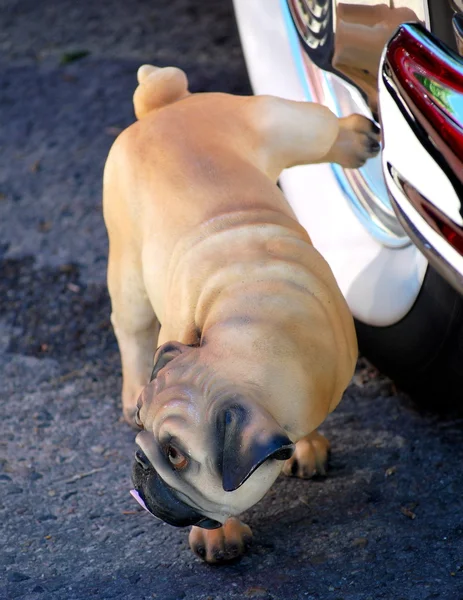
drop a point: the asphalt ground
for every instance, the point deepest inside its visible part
(385, 524)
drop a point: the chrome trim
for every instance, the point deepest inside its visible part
(419, 7)
(438, 252)
(380, 284)
(347, 37)
(364, 189)
(313, 21)
(421, 84)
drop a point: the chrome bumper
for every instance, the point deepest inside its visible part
(421, 109)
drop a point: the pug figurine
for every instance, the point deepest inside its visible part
(208, 264)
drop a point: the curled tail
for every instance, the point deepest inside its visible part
(158, 87)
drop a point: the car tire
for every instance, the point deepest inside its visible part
(423, 352)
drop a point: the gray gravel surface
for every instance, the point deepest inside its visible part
(387, 521)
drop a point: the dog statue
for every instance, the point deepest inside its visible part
(207, 262)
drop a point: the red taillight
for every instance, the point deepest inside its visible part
(435, 87)
(433, 216)
(452, 234)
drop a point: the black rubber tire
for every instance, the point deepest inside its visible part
(423, 353)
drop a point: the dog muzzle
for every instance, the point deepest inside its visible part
(160, 500)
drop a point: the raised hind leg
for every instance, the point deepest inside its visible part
(296, 133)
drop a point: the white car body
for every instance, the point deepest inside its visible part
(380, 283)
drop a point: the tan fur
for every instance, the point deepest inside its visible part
(204, 248)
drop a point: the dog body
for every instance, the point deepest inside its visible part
(207, 261)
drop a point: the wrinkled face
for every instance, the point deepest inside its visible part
(208, 449)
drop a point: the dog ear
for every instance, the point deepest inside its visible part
(165, 353)
(248, 438)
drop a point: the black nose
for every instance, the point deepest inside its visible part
(142, 460)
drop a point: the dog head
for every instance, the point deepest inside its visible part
(208, 449)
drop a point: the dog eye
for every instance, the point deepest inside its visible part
(178, 460)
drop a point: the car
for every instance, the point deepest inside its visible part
(392, 231)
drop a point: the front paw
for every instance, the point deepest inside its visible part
(226, 543)
(310, 457)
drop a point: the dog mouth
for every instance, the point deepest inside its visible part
(205, 523)
(155, 496)
(136, 494)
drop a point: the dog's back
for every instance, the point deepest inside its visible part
(184, 165)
